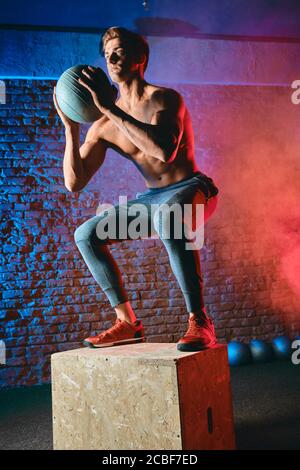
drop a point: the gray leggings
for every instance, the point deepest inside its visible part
(185, 264)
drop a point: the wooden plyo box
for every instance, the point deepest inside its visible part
(142, 396)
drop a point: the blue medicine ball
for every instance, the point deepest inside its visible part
(282, 347)
(74, 99)
(238, 353)
(261, 351)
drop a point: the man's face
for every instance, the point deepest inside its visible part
(120, 61)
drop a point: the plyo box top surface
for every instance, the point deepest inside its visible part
(147, 352)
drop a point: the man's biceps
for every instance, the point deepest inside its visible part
(176, 127)
(85, 149)
(90, 147)
(169, 121)
(92, 159)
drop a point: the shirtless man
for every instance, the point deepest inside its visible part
(151, 126)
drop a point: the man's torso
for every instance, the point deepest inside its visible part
(155, 172)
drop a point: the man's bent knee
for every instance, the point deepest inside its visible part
(86, 231)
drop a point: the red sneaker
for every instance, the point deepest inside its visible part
(120, 333)
(200, 335)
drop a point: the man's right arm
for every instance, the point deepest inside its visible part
(81, 162)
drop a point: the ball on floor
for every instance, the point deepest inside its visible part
(261, 351)
(238, 353)
(282, 347)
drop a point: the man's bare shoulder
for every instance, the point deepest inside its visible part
(162, 96)
(95, 131)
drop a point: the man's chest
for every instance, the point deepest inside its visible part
(113, 134)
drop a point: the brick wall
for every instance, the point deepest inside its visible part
(245, 139)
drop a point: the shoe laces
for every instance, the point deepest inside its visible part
(196, 322)
(116, 326)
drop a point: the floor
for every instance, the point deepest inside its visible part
(265, 399)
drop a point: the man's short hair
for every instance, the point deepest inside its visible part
(137, 43)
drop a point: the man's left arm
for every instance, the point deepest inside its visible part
(162, 136)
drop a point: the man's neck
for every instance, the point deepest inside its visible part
(132, 92)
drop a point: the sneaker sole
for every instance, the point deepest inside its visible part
(191, 348)
(115, 343)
